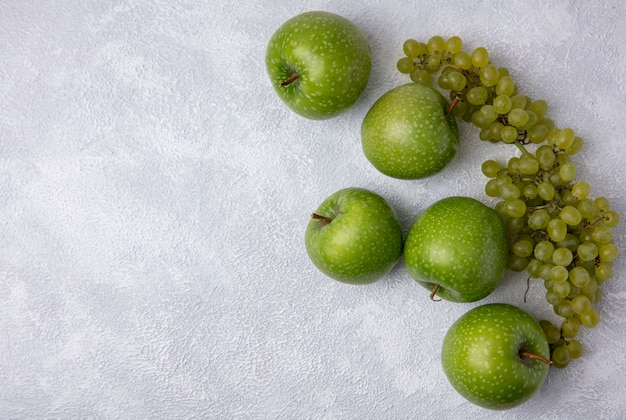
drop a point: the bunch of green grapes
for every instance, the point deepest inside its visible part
(557, 231)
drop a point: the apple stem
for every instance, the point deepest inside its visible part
(535, 356)
(324, 219)
(453, 104)
(289, 81)
(433, 293)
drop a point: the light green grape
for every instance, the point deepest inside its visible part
(590, 319)
(412, 48)
(502, 104)
(405, 65)
(570, 326)
(581, 190)
(543, 250)
(570, 215)
(581, 304)
(608, 252)
(436, 45)
(610, 218)
(505, 86)
(489, 75)
(567, 172)
(539, 219)
(477, 95)
(575, 349)
(518, 117)
(509, 134)
(557, 230)
(562, 257)
(587, 251)
(480, 57)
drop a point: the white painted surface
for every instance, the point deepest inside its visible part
(154, 193)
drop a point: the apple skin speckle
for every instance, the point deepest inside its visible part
(406, 133)
(481, 356)
(459, 244)
(332, 58)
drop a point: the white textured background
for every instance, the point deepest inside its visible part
(154, 194)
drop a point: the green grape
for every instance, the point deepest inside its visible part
(587, 208)
(509, 134)
(568, 198)
(587, 251)
(530, 191)
(567, 172)
(539, 219)
(412, 48)
(590, 289)
(570, 326)
(534, 266)
(552, 298)
(505, 86)
(479, 121)
(488, 113)
(562, 257)
(517, 263)
(454, 44)
(489, 75)
(457, 81)
(602, 203)
(570, 241)
(585, 236)
(495, 130)
(575, 147)
(539, 107)
(490, 168)
(604, 271)
(552, 333)
(515, 225)
(405, 65)
(519, 101)
(518, 117)
(538, 133)
(524, 247)
(492, 189)
(421, 76)
(433, 61)
(581, 304)
(570, 215)
(562, 289)
(509, 191)
(590, 319)
(543, 251)
(462, 60)
(560, 355)
(513, 164)
(557, 230)
(544, 273)
(575, 349)
(608, 252)
(436, 45)
(532, 120)
(546, 190)
(528, 165)
(579, 276)
(564, 309)
(564, 139)
(515, 207)
(477, 95)
(480, 57)
(502, 104)
(611, 218)
(546, 156)
(559, 274)
(601, 234)
(581, 190)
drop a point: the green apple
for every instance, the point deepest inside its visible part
(319, 64)
(407, 133)
(496, 356)
(354, 236)
(457, 248)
